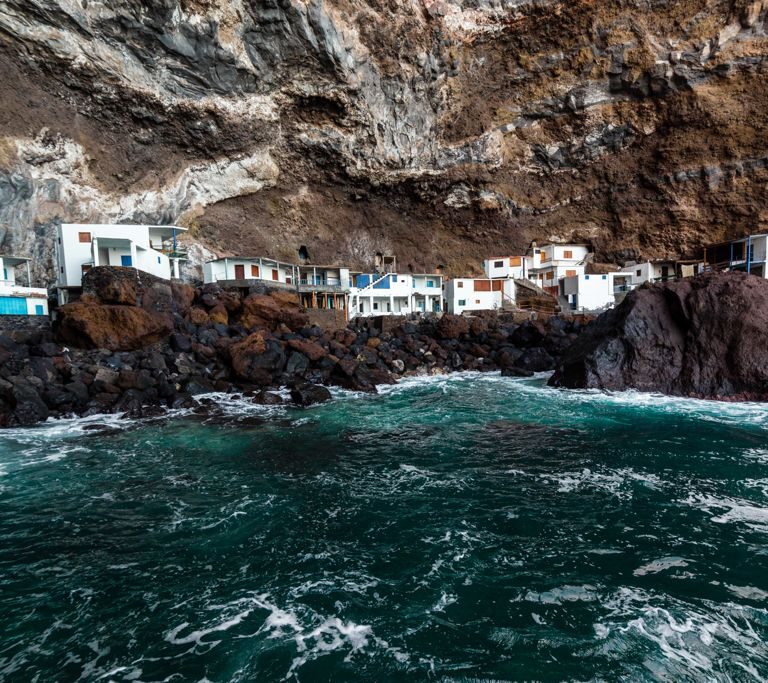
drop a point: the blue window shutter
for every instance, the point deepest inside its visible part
(158, 259)
(39, 309)
(12, 305)
(126, 261)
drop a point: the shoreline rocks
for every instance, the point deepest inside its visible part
(702, 337)
(238, 340)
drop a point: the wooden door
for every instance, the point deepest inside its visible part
(240, 272)
(274, 274)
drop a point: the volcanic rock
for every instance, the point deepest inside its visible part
(117, 328)
(705, 337)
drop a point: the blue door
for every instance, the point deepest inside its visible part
(126, 261)
(39, 310)
(12, 305)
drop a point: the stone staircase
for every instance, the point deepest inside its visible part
(531, 297)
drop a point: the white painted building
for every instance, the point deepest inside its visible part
(557, 261)
(324, 287)
(512, 267)
(749, 254)
(650, 271)
(591, 292)
(245, 269)
(151, 248)
(478, 294)
(16, 299)
(395, 294)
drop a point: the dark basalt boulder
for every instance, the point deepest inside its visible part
(703, 337)
(309, 394)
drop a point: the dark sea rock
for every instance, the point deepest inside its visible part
(310, 394)
(704, 337)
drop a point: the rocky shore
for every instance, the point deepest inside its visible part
(702, 337)
(137, 345)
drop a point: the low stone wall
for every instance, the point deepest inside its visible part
(12, 323)
(327, 319)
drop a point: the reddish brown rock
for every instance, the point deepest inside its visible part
(198, 316)
(705, 336)
(117, 328)
(452, 327)
(270, 311)
(257, 358)
(218, 315)
(183, 296)
(311, 350)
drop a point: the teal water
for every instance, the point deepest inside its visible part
(464, 528)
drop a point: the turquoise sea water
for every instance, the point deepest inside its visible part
(463, 528)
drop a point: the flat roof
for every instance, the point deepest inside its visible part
(252, 258)
(14, 260)
(123, 225)
(735, 239)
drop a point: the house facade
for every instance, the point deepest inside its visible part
(247, 269)
(151, 248)
(324, 287)
(650, 271)
(557, 261)
(478, 294)
(15, 299)
(748, 254)
(591, 292)
(374, 294)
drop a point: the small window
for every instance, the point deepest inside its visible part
(477, 301)
(586, 277)
(62, 269)
(550, 275)
(158, 259)
(430, 283)
(375, 307)
(84, 236)
(639, 273)
(605, 277)
(498, 264)
(460, 284)
(59, 240)
(254, 271)
(567, 254)
(462, 302)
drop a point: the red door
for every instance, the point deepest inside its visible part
(239, 272)
(274, 274)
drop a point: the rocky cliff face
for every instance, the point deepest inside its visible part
(439, 130)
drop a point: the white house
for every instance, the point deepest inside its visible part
(650, 271)
(478, 294)
(749, 254)
(395, 294)
(512, 267)
(245, 269)
(16, 299)
(324, 287)
(557, 261)
(590, 292)
(151, 248)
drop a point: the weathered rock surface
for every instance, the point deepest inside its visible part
(705, 337)
(442, 131)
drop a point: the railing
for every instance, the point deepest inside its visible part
(319, 281)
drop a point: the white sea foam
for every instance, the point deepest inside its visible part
(660, 565)
(731, 510)
(616, 482)
(691, 638)
(560, 595)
